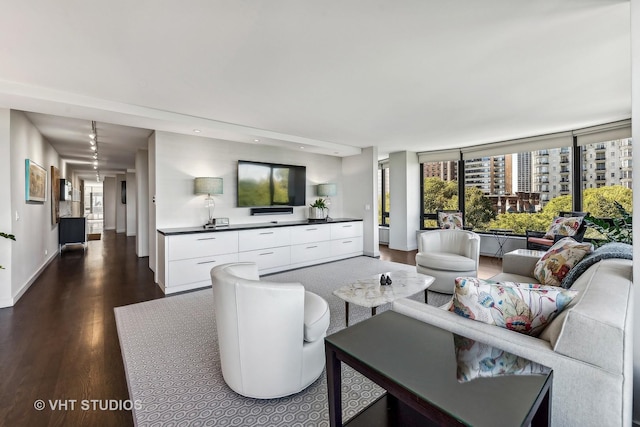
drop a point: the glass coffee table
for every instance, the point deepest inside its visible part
(370, 293)
(433, 377)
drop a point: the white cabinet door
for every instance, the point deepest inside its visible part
(310, 233)
(308, 252)
(196, 269)
(351, 245)
(346, 229)
(263, 238)
(197, 245)
(268, 258)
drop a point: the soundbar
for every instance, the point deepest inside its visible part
(272, 210)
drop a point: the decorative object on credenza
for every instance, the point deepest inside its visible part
(35, 182)
(209, 186)
(327, 191)
(317, 210)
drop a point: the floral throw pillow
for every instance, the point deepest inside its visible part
(450, 220)
(556, 263)
(479, 360)
(564, 226)
(524, 307)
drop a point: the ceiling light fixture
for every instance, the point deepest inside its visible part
(197, 130)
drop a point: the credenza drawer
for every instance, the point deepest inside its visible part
(346, 246)
(267, 258)
(202, 244)
(310, 252)
(346, 229)
(250, 240)
(196, 269)
(310, 233)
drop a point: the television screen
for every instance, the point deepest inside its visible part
(270, 184)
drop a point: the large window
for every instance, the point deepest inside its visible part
(507, 188)
(439, 190)
(606, 177)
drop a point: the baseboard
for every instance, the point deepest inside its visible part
(109, 228)
(10, 302)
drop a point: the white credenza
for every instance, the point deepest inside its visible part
(186, 256)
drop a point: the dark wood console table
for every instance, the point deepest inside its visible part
(416, 364)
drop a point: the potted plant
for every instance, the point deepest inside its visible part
(7, 236)
(317, 209)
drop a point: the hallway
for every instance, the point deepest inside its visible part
(60, 343)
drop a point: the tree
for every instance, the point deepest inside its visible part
(478, 208)
(439, 194)
(600, 202)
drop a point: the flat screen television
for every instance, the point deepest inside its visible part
(271, 184)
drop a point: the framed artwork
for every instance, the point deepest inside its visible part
(123, 192)
(35, 182)
(55, 195)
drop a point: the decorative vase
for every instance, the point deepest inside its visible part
(316, 213)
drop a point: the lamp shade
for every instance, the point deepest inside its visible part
(207, 185)
(327, 190)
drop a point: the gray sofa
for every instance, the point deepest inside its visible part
(588, 346)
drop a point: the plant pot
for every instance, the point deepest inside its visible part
(316, 213)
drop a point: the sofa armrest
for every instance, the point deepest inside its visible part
(521, 262)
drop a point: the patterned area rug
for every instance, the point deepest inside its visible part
(170, 353)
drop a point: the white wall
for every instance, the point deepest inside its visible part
(142, 212)
(109, 202)
(404, 193)
(635, 131)
(131, 207)
(121, 208)
(36, 238)
(180, 158)
(6, 224)
(360, 195)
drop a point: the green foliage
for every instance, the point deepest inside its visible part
(440, 195)
(601, 202)
(319, 203)
(478, 209)
(519, 222)
(618, 229)
(7, 236)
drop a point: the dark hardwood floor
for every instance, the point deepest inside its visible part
(59, 343)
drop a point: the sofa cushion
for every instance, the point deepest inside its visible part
(559, 259)
(475, 359)
(564, 226)
(521, 307)
(445, 261)
(316, 317)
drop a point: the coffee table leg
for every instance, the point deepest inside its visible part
(334, 382)
(426, 297)
(346, 313)
(373, 311)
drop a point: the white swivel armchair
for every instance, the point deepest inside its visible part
(447, 254)
(270, 335)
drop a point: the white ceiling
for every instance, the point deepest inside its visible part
(330, 75)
